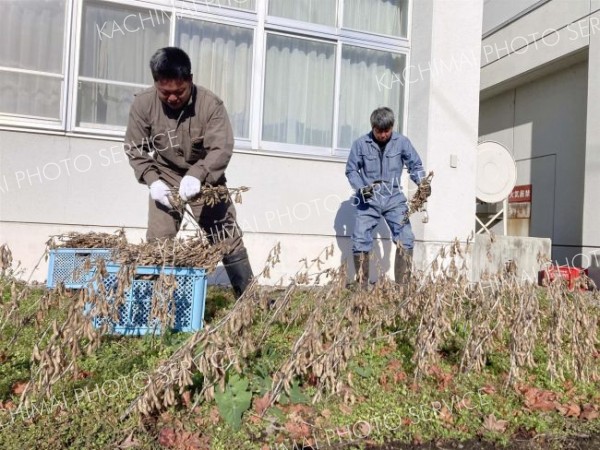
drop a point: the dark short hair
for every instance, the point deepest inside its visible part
(170, 63)
(382, 118)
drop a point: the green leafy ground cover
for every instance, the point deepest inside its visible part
(324, 367)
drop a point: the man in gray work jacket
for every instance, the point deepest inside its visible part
(179, 136)
(374, 168)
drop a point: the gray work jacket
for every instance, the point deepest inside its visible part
(197, 140)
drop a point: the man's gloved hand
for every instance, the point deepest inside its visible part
(366, 192)
(189, 187)
(159, 191)
(425, 188)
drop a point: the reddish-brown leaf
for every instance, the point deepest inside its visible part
(442, 378)
(589, 412)
(399, 376)
(297, 430)
(394, 365)
(191, 441)
(490, 423)
(214, 415)
(19, 387)
(82, 374)
(261, 404)
(539, 399)
(571, 410)
(167, 437)
(9, 405)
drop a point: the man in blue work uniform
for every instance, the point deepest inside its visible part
(374, 168)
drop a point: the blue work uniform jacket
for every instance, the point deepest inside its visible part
(368, 165)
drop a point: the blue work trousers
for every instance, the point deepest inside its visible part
(394, 209)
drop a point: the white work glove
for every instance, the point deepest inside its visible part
(159, 191)
(189, 187)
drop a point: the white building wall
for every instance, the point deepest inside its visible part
(591, 215)
(55, 183)
(543, 124)
(498, 12)
(538, 94)
(443, 114)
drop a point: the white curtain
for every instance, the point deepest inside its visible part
(298, 97)
(387, 17)
(222, 62)
(203, 5)
(110, 52)
(315, 11)
(31, 37)
(369, 79)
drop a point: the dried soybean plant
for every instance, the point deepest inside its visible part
(437, 305)
(211, 352)
(13, 292)
(58, 350)
(192, 251)
(417, 202)
(485, 320)
(331, 325)
(524, 322)
(209, 195)
(6, 262)
(340, 325)
(75, 239)
(572, 332)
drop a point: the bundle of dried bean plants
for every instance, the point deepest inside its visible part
(88, 240)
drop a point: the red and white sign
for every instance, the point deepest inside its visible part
(520, 194)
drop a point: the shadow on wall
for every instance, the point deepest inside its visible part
(382, 244)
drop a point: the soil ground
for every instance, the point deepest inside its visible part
(579, 442)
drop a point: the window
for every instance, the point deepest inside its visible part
(387, 17)
(208, 5)
(116, 45)
(298, 102)
(313, 11)
(369, 80)
(32, 35)
(299, 76)
(222, 62)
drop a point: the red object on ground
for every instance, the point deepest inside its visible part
(570, 274)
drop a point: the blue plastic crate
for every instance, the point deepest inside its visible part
(67, 266)
(189, 299)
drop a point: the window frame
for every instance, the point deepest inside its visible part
(262, 25)
(11, 120)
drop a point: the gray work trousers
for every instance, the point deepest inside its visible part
(218, 221)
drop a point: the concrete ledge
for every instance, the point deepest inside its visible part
(528, 253)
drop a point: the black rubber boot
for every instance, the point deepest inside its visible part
(403, 265)
(239, 271)
(361, 268)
